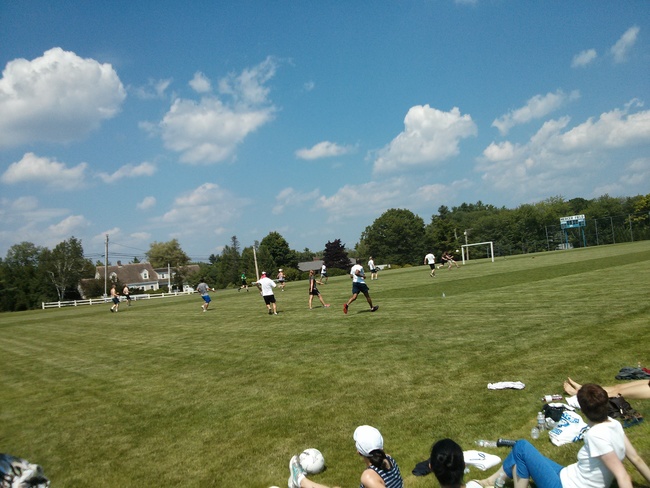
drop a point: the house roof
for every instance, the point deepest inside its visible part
(133, 273)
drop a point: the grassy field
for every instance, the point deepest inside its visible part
(162, 394)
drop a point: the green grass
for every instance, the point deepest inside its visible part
(163, 394)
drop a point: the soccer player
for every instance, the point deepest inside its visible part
(203, 289)
(266, 285)
(115, 298)
(373, 269)
(244, 283)
(313, 291)
(430, 259)
(359, 286)
(323, 275)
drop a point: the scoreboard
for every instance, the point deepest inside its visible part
(572, 222)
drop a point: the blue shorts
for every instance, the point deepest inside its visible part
(359, 288)
(206, 298)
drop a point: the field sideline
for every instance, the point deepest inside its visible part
(163, 394)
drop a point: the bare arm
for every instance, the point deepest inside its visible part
(636, 460)
(371, 479)
(615, 465)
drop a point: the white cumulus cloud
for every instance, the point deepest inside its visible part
(147, 203)
(51, 173)
(430, 136)
(561, 158)
(622, 47)
(200, 83)
(209, 131)
(290, 197)
(325, 149)
(58, 97)
(206, 209)
(129, 171)
(584, 58)
(536, 107)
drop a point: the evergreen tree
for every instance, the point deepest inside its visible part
(335, 255)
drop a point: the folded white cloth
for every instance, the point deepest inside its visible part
(472, 484)
(482, 460)
(573, 401)
(502, 385)
(570, 428)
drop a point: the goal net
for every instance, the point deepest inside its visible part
(465, 249)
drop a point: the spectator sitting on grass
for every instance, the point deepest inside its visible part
(381, 469)
(447, 463)
(600, 460)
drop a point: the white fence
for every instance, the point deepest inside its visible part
(95, 301)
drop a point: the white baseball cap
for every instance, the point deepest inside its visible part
(367, 439)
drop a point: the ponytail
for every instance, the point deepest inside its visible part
(377, 458)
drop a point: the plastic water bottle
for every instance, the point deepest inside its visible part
(505, 442)
(534, 433)
(500, 482)
(484, 443)
(541, 421)
(552, 398)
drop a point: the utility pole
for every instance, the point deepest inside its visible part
(106, 268)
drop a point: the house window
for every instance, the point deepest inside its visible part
(145, 275)
(113, 277)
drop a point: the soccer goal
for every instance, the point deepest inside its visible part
(465, 249)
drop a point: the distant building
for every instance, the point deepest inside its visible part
(142, 275)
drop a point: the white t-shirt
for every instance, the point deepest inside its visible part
(323, 269)
(357, 278)
(590, 471)
(371, 265)
(267, 285)
(430, 258)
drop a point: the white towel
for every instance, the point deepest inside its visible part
(502, 385)
(573, 401)
(482, 460)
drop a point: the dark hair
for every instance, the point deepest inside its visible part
(377, 458)
(593, 400)
(447, 462)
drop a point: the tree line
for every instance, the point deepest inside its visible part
(31, 274)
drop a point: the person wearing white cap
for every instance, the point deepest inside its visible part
(281, 279)
(381, 470)
(266, 285)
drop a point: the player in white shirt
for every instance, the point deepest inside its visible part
(359, 286)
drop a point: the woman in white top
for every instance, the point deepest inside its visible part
(600, 460)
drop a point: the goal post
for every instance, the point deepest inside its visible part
(464, 249)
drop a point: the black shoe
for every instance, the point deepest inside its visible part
(375, 308)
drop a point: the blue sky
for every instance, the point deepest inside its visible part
(149, 121)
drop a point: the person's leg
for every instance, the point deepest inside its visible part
(352, 298)
(525, 462)
(311, 298)
(636, 390)
(368, 299)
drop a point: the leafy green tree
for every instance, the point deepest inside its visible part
(25, 283)
(278, 248)
(441, 234)
(396, 237)
(335, 255)
(228, 264)
(66, 266)
(161, 254)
